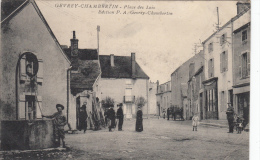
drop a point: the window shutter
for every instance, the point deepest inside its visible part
(209, 68)
(226, 60)
(21, 107)
(248, 63)
(40, 71)
(221, 63)
(38, 106)
(240, 66)
(212, 67)
(23, 68)
(225, 37)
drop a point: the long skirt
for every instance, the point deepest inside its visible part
(139, 125)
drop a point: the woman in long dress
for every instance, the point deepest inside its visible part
(139, 120)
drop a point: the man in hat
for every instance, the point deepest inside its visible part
(230, 117)
(83, 117)
(111, 118)
(59, 122)
(120, 116)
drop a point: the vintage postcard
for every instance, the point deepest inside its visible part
(126, 79)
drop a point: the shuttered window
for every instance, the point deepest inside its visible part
(211, 68)
(244, 65)
(224, 61)
(40, 71)
(223, 39)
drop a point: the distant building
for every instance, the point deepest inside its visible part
(123, 80)
(152, 98)
(241, 62)
(163, 97)
(84, 79)
(179, 79)
(219, 57)
(195, 95)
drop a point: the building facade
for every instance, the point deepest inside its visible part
(26, 31)
(84, 80)
(123, 80)
(241, 64)
(218, 49)
(163, 98)
(152, 98)
(179, 79)
(195, 95)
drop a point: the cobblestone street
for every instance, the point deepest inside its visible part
(161, 139)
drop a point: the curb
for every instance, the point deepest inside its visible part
(214, 125)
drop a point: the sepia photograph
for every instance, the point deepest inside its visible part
(160, 80)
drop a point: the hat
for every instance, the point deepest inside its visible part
(59, 105)
(120, 105)
(83, 106)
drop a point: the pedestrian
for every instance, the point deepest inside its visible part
(59, 122)
(195, 121)
(230, 117)
(111, 118)
(83, 117)
(139, 120)
(168, 113)
(120, 116)
(239, 124)
(163, 113)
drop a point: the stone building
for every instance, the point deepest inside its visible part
(219, 50)
(163, 98)
(195, 95)
(152, 98)
(84, 80)
(241, 63)
(123, 80)
(179, 79)
(25, 31)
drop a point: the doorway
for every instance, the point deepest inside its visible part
(77, 111)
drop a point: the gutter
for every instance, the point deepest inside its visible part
(68, 91)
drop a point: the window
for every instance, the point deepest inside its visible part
(223, 39)
(244, 67)
(244, 35)
(27, 65)
(211, 68)
(210, 47)
(224, 61)
(28, 107)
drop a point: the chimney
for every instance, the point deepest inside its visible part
(74, 45)
(242, 6)
(133, 65)
(112, 60)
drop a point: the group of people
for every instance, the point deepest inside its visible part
(60, 121)
(234, 120)
(112, 118)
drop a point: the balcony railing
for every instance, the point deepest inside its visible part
(129, 99)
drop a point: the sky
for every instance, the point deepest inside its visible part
(161, 42)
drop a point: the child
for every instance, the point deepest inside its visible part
(195, 121)
(239, 125)
(59, 123)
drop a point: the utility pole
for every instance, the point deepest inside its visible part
(98, 30)
(217, 25)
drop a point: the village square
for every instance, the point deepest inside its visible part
(61, 99)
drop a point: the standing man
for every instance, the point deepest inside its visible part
(83, 117)
(120, 116)
(168, 113)
(230, 117)
(59, 122)
(111, 118)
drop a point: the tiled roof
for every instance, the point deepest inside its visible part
(121, 69)
(87, 65)
(84, 54)
(88, 73)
